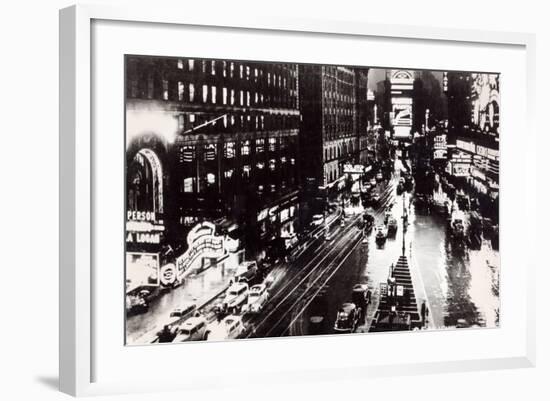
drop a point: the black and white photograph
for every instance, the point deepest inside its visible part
(275, 199)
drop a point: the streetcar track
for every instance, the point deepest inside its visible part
(312, 286)
(311, 298)
(302, 279)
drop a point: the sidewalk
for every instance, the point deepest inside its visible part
(199, 289)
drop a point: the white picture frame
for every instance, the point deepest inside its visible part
(77, 369)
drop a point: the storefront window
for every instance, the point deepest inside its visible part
(260, 145)
(188, 184)
(245, 148)
(272, 144)
(210, 152)
(229, 150)
(191, 92)
(205, 93)
(181, 88)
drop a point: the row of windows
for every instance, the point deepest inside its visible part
(190, 92)
(336, 151)
(332, 172)
(347, 111)
(209, 180)
(238, 122)
(284, 77)
(188, 154)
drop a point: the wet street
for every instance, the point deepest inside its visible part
(198, 289)
(458, 284)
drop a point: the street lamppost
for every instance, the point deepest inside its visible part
(427, 118)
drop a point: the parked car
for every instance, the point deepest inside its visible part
(183, 311)
(193, 329)
(235, 297)
(246, 271)
(317, 220)
(229, 328)
(347, 318)
(257, 298)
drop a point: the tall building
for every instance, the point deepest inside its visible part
(364, 99)
(474, 107)
(334, 119)
(225, 136)
(401, 102)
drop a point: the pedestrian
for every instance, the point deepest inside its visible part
(424, 313)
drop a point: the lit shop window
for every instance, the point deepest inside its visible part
(213, 95)
(245, 148)
(260, 145)
(191, 92)
(165, 89)
(187, 154)
(188, 184)
(191, 64)
(210, 152)
(205, 93)
(272, 164)
(181, 89)
(272, 144)
(224, 95)
(180, 64)
(229, 150)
